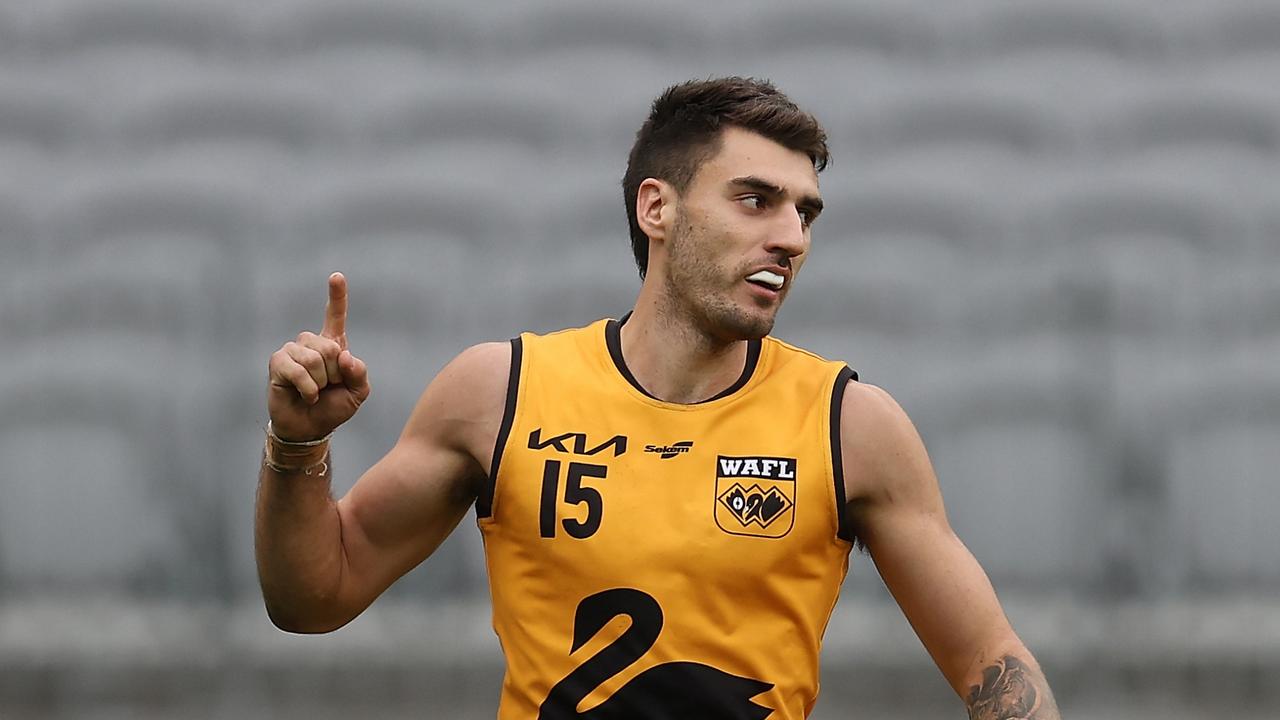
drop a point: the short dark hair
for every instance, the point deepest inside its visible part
(684, 130)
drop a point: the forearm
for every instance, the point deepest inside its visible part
(1010, 686)
(298, 543)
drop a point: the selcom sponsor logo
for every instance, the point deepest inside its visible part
(666, 452)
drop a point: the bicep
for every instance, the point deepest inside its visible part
(404, 506)
(397, 514)
(896, 506)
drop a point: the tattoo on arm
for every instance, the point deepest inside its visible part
(1011, 690)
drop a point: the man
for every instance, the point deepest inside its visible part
(667, 501)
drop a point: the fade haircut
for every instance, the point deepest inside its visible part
(684, 130)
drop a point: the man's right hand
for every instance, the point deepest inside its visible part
(314, 383)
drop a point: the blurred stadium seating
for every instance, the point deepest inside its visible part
(1052, 231)
(1127, 31)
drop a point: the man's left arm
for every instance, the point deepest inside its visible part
(895, 508)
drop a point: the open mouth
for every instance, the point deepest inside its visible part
(768, 280)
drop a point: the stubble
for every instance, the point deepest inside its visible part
(700, 294)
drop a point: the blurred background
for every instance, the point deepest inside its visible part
(1053, 233)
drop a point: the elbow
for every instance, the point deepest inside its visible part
(292, 619)
(298, 604)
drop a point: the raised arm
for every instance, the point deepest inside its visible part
(321, 562)
(895, 507)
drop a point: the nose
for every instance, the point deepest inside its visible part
(788, 236)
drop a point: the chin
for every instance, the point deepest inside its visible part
(740, 324)
(726, 317)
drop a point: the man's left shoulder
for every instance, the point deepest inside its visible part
(877, 437)
(867, 404)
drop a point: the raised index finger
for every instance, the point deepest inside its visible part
(335, 312)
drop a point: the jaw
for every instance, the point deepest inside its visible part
(746, 312)
(720, 316)
(714, 301)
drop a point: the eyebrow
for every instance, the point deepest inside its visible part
(812, 203)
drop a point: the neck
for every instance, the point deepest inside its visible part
(673, 358)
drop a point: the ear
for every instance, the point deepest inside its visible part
(655, 208)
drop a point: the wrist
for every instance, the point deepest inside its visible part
(291, 443)
(309, 457)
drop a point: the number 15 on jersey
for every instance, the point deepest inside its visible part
(576, 493)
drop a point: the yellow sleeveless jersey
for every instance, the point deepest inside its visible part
(657, 561)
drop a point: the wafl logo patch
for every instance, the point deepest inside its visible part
(755, 496)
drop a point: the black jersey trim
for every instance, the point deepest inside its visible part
(843, 531)
(613, 339)
(748, 369)
(484, 503)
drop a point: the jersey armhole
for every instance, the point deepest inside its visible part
(843, 531)
(484, 501)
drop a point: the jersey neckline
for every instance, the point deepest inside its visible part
(613, 340)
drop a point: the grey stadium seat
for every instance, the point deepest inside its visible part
(903, 32)
(1013, 432)
(537, 27)
(892, 255)
(956, 215)
(585, 209)
(429, 248)
(20, 232)
(41, 114)
(1134, 249)
(161, 243)
(267, 114)
(1152, 286)
(1181, 118)
(1240, 299)
(159, 284)
(966, 117)
(433, 195)
(331, 26)
(1126, 31)
(183, 200)
(69, 27)
(411, 283)
(140, 526)
(885, 284)
(575, 286)
(543, 117)
(15, 36)
(1223, 489)
(1215, 439)
(1116, 205)
(1232, 29)
(1270, 231)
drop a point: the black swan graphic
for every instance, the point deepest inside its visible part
(671, 691)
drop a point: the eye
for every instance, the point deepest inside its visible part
(755, 202)
(806, 218)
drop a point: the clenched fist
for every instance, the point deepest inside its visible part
(314, 383)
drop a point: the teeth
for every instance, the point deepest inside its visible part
(768, 278)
